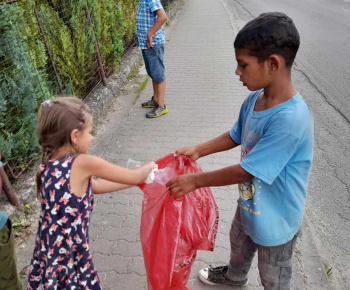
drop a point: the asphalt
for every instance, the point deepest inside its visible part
(204, 97)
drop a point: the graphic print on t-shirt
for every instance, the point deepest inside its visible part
(246, 189)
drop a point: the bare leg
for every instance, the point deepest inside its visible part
(159, 92)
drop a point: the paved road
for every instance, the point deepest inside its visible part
(325, 42)
(204, 97)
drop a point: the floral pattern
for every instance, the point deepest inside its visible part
(61, 258)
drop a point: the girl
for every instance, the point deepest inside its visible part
(61, 258)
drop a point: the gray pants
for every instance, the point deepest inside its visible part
(274, 263)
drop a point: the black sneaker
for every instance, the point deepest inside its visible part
(217, 276)
(150, 104)
(157, 111)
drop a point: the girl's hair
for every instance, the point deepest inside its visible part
(56, 120)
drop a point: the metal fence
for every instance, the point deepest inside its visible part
(53, 48)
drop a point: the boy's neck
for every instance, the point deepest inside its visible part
(275, 94)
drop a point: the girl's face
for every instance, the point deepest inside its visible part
(85, 137)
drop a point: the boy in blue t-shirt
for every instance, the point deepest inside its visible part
(275, 131)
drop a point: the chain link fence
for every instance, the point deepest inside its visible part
(54, 47)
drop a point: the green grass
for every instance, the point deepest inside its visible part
(141, 88)
(132, 74)
(143, 85)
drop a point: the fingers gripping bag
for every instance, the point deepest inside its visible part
(171, 230)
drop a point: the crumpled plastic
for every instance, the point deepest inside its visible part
(171, 230)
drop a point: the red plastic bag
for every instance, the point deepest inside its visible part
(171, 230)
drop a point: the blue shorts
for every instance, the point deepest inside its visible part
(153, 58)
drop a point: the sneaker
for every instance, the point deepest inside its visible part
(217, 276)
(150, 104)
(157, 111)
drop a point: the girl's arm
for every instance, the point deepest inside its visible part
(104, 186)
(86, 166)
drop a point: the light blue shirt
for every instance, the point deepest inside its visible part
(146, 16)
(3, 219)
(277, 149)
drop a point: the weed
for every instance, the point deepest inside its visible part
(141, 88)
(18, 225)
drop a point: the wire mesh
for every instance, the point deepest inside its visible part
(49, 48)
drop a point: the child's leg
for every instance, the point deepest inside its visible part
(159, 92)
(242, 250)
(275, 265)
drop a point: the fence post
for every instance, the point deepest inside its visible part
(98, 54)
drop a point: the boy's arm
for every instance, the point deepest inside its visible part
(161, 18)
(222, 143)
(226, 176)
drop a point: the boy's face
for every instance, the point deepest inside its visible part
(252, 74)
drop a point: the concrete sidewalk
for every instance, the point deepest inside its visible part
(204, 97)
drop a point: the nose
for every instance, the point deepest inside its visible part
(238, 72)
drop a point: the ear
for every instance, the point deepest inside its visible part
(74, 136)
(275, 62)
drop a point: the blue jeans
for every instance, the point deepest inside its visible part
(274, 263)
(154, 64)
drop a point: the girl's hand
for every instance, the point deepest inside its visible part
(190, 151)
(182, 184)
(150, 166)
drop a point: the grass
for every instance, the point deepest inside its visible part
(141, 88)
(132, 74)
(18, 225)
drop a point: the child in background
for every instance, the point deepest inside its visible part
(150, 34)
(275, 131)
(9, 278)
(61, 258)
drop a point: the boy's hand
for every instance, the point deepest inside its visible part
(181, 185)
(149, 43)
(188, 151)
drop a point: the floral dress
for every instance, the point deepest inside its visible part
(62, 258)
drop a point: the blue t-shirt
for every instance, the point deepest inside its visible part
(276, 148)
(3, 219)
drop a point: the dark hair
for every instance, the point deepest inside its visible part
(270, 33)
(56, 120)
